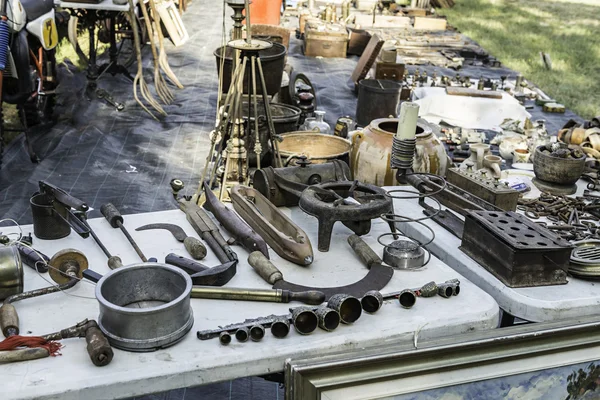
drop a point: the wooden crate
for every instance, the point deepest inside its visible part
(325, 40)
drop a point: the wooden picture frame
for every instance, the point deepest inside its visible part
(491, 363)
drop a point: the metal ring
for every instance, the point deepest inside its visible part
(409, 220)
(531, 214)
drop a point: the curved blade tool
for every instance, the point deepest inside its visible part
(176, 230)
(194, 246)
(376, 279)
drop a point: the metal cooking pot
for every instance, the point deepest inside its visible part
(11, 272)
(145, 307)
(317, 147)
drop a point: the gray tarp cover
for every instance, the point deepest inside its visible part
(127, 158)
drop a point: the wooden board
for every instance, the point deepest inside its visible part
(414, 12)
(462, 91)
(430, 24)
(381, 21)
(367, 59)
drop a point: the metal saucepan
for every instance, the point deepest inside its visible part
(145, 307)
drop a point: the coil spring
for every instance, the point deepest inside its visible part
(409, 194)
(403, 151)
(4, 39)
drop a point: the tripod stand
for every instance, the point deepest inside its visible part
(230, 131)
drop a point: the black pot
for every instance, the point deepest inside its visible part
(272, 60)
(377, 98)
(285, 119)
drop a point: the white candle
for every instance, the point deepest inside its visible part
(407, 124)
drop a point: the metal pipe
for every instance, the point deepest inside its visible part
(270, 295)
(248, 22)
(274, 143)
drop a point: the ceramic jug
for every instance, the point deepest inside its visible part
(371, 152)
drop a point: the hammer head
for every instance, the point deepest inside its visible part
(216, 276)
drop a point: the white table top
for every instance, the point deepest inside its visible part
(578, 298)
(193, 362)
(104, 5)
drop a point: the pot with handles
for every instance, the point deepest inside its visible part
(371, 152)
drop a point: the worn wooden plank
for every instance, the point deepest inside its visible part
(430, 24)
(381, 21)
(462, 91)
(367, 59)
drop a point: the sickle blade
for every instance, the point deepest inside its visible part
(379, 275)
(176, 230)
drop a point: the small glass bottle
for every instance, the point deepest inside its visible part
(318, 125)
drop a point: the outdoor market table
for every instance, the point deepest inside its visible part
(193, 362)
(104, 5)
(578, 298)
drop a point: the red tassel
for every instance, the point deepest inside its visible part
(16, 341)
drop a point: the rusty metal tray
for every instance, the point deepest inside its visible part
(515, 250)
(519, 231)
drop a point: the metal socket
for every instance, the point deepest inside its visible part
(372, 301)
(445, 290)
(280, 328)
(455, 283)
(257, 333)
(455, 290)
(328, 319)
(305, 320)
(242, 334)
(407, 298)
(225, 338)
(349, 307)
(428, 290)
(145, 306)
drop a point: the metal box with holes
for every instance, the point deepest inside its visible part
(515, 250)
(494, 192)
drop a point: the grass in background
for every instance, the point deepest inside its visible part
(516, 31)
